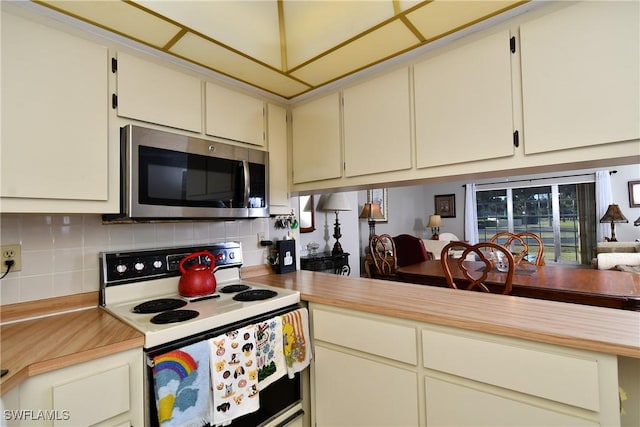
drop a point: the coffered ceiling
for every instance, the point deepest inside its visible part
(284, 47)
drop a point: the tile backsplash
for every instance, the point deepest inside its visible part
(60, 252)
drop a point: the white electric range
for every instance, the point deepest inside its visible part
(140, 287)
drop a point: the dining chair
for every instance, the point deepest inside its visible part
(524, 240)
(410, 250)
(383, 253)
(495, 258)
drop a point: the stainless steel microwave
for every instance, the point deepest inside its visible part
(172, 176)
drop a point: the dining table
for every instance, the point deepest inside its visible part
(603, 288)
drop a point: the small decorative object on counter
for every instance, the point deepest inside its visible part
(283, 257)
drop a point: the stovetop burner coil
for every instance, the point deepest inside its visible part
(255, 295)
(230, 289)
(159, 305)
(174, 316)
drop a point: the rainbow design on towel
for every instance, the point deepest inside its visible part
(177, 361)
(182, 392)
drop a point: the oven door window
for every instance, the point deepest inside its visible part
(172, 178)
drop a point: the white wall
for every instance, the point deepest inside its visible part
(324, 225)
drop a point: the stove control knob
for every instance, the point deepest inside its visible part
(139, 266)
(121, 268)
(232, 255)
(157, 264)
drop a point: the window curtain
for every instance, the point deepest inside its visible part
(604, 198)
(471, 214)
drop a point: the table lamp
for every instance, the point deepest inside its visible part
(613, 215)
(435, 222)
(336, 202)
(371, 211)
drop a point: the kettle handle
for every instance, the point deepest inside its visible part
(213, 259)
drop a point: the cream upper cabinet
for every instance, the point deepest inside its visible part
(278, 164)
(317, 152)
(233, 115)
(55, 136)
(463, 103)
(157, 94)
(377, 132)
(580, 68)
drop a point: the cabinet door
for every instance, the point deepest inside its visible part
(233, 115)
(278, 164)
(581, 87)
(104, 391)
(54, 114)
(355, 391)
(377, 135)
(156, 94)
(317, 152)
(463, 103)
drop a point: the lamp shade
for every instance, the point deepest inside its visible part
(371, 211)
(336, 202)
(613, 214)
(434, 221)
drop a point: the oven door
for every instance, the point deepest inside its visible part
(280, 402)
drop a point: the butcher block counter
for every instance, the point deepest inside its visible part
(55, 341)
(584, 327)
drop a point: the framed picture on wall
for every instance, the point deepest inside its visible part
(634, 194)
(446, 205)
(379, 195)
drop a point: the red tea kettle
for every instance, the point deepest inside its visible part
(197, 279)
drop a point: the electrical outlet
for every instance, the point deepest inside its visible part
(260, 238)
(11, 252)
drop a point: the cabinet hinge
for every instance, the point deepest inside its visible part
(516, 139)
(114, 101)
(114, 65)
(512, 44)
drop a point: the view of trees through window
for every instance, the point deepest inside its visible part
(553, 212)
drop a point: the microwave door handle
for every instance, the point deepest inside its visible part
(247, 183)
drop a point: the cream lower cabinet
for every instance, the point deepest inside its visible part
(581, 88)
(104, 392)
(55, 143)
(378, 370)
(364, 371)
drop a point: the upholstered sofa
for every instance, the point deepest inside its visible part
(624, 256)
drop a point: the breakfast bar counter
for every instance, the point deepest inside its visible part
(572, 325)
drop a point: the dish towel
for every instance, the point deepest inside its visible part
(183, 386)
(234, 375)
(295, 333)
(269, 352)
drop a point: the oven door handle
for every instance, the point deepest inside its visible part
(247, 183)
(296, 415)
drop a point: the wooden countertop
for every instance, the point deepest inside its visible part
(599, 329)
(32, 347)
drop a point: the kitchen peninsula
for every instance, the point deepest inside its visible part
(426, 349)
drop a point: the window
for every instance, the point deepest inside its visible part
(561, 214)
